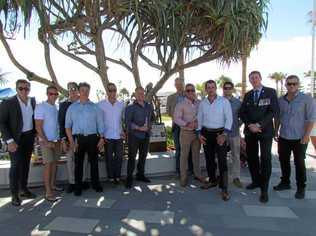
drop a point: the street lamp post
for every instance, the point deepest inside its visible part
(313, 48)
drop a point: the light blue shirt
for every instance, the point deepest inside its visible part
(48, 114)
(85, 119)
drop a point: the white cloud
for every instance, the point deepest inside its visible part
(291, 56)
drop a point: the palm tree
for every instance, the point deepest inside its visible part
(278, 77)
(200, 88)
(3, 80)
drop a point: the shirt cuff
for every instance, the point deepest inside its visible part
(226, 131)
(11, 140)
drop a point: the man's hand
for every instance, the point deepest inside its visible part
(191, 125)
(64, 146)
(254, 128)
(221, 138)
(143, 128)
(202, 139)
(123, 135)
(101, 144)
(12, 147)
(73, 145)
(305, 139)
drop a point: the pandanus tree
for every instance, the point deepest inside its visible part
(168, 35)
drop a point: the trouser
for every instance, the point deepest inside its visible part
(176, 138)
(137, 145)
(87, 144)
(212, 150)
(260, 168)
(20, 163)
(189, 140)
(234, 143)
(71, 167)
(285, 147)
(114, 157)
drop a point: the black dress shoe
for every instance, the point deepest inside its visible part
(77, 192)
(16, 201)
(70, 188)
(85, 185)
(252, 186)
(98, 189)
(282, 186)
(27, 194)
(264, 198)
(300, 194)
(129, 183)
(142, 178)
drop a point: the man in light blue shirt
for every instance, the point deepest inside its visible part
(85, 128)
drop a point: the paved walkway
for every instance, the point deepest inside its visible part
(164, 208)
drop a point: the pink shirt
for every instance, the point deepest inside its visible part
(186, 112)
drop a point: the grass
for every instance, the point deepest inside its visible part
(165, 118)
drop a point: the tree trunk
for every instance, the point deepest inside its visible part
(181, 62)
(244, 75)
(277, 87)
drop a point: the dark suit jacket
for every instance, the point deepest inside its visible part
(11, 120)
(262, 113)
(63, 107)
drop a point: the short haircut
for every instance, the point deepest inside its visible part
(228, 83)
(72, 85)
(139, 88)
(22, 81)
(292, 77)
(84, 84)
(178, 79)
(51, 87)
(210, 82)
(109, 85)
(255, 72)
(189, 85)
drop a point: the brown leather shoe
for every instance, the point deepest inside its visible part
(184, 182)
(208, 185)
(225, 196)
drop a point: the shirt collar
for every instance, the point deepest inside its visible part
(258, 89)
(21, 102)
(189, 101)
(296, 95)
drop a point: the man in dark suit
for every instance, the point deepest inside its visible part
(258, 109)
(18, 131)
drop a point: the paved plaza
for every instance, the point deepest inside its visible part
(164, 208)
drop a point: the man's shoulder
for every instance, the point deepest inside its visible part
(10, 100)
(268, 90)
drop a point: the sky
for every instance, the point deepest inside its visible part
(285, 47)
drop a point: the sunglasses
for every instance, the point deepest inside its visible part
(73, 89)
(190, 90)
(228, 88)
(112, 90)
(26, 89)
(53, 94)
(291, 84)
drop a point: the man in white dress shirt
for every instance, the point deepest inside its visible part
(113, 133)
(214, 123)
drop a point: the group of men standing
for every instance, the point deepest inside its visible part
(82, 129)
(215, 123)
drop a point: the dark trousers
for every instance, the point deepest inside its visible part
(285, 147)
(210, 149)
(176, 138)
(87, 144)
(113, 157)
(260, 168)
(137, 145)
(20, 163)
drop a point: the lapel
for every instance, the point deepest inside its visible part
(261, 95)
(18, 109)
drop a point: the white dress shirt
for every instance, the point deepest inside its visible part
(215, 115)
(27, 114)
(112, 115)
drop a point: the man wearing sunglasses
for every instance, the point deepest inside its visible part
(185, 116)
(46, 121)
(214, 123)
(297, 118)
(73, 96)
(18, 130)
(234, 135)
(113, 133)
(258, 110)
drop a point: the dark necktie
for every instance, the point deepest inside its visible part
(256, 96)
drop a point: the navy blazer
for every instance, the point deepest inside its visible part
(263, 112)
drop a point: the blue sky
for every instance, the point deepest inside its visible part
(289, 18)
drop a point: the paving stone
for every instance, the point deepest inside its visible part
(71, 224)
(101, 202)
(290, 194)
(269, 211)
(159, 217)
